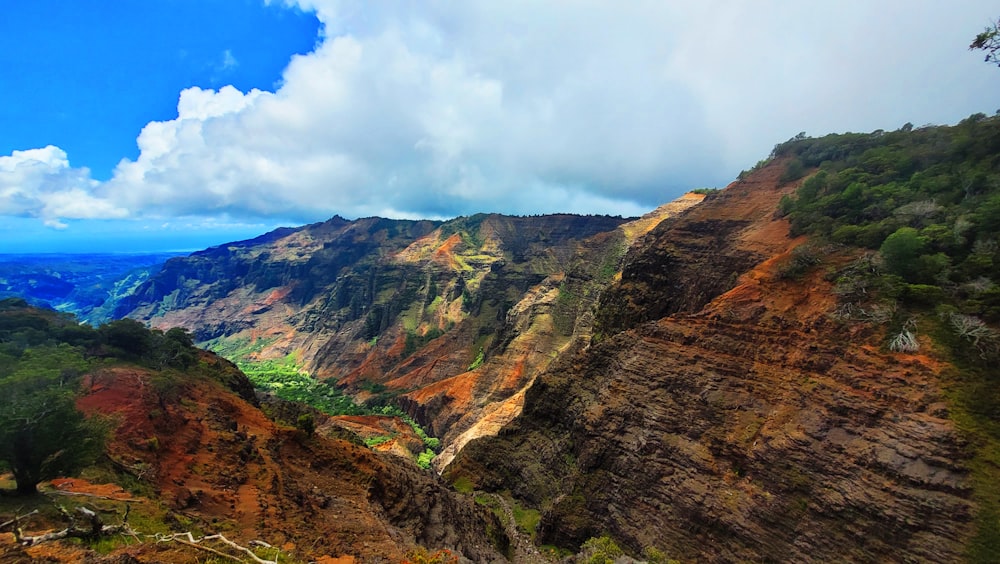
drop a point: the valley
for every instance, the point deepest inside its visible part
(87, 285)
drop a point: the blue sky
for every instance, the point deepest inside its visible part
(179, 124)
(87, 78)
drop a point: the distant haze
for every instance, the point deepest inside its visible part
(438, 109)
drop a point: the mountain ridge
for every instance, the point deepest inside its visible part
(406, 307)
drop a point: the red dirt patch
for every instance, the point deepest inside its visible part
(81, 486)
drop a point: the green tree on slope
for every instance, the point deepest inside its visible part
(42, 434)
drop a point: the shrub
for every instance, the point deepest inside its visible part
(600, 550)
(794, 170)
(900, 251)
(924, 294)
(802, 259)
(306, 423)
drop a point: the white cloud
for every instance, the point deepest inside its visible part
(40, 183)
(437, 109)
(228, 60)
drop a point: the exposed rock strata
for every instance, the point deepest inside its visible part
(735, 421)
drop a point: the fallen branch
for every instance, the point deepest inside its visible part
(94, 529)
(195, 543)
(15, 520)
(139, 471)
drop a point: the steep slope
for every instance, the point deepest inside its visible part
(452, 320)
(177, 433)
(726, 415)
(216, 459)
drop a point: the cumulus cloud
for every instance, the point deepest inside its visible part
(438, 109)
(40, 183)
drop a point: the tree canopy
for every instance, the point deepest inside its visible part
(989, 41)
(43, 355)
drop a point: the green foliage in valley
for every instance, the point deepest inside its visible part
(286, 380)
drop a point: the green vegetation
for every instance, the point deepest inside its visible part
(416, 341)
(464, 485)
(479, 360)
(920, 208)
(657, 556)
(306, 423)
(988, 41)
(421, 555)
(424, 458)
(375, 441)
(927, 199)
(42, 434)
(288, 381)
(527, 519)
(43, 356)
(600, 550)
(284, 380)
(803, 258)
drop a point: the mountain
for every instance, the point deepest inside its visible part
(449, 320)
(87, 285)
(802, 366)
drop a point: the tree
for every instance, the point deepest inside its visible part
(307, 424)
(989, 41)
(128, 336)
(42, 434)
(900, 251)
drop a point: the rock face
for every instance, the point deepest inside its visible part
(451, 320)
(724, 415)
(215, 459)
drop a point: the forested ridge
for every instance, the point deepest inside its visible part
(43, 357)
(922, 205)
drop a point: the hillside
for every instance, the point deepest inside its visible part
(800, 367)
(188, 450)
(765, 387)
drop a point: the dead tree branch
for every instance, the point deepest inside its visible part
(188, 539)
(93, 528)
(15, 520)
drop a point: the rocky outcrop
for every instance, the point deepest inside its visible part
(727, 416)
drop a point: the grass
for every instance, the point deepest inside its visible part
(378, 440)
(972, 402)
(527, 519)
(287, 380)
(464, 485)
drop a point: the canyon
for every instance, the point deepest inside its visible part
(719, 380)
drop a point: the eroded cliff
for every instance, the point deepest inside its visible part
(727, 415)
